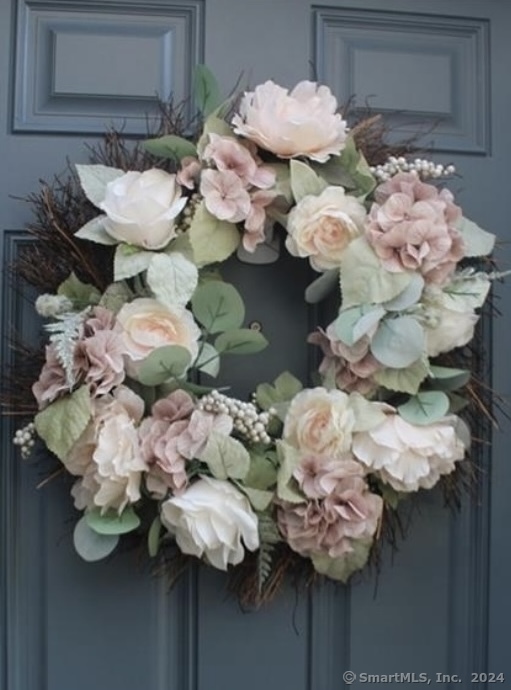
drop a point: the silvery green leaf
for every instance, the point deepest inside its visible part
(354, 322)
(226, 457)
(368, 414)
(94, 180)
(129, 261)
(304, 181)
(172, 278)
(259, 499)
(364, 280)
(90, 545)
(95, 231)
(425, 408)
(409, 296)
(212, 240)
(286, 483)
(367, 322)
(208, 361)
(466, 291)
(62, 423)
(111, 522)
(322, 286)
(403, 380)
(448, 378)
(398, 342)
(81, 294)
(477, 242)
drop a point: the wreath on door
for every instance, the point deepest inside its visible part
(128, 255)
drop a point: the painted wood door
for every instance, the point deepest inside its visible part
(442, 604)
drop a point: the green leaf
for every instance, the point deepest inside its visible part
(241, 341)
(390, 495)
(94, 180)
(259, 499)
(356, 166)
(403, 380)
(170, 361)
(335, 173)
(213, 125)
(287, 386)
(94, 231)
(287, 487)
(129, 261)
(212, 240)
(170, 146)
(226, 457)
(90, 545)
(172, 279)
(304, 181)
(81, 294)
(115, 296)
(448, 378)
(262, 473)
(368, 414)
(322, 286)
(466, 291)
(206, 90)
(410, 295)
(398, 342)
(218, 306)
(425, 408)
(282, 186)
(208, 360)
(111, 522)
(477, 242)
(342, 568)
(355, 322)
(62, 423)
(153, 537)
(363, 278)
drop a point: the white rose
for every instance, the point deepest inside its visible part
(320, 421)
(321, 227)
(408, 456)
(212, 518)
(141, 208)
(301, 123)
(147, 325)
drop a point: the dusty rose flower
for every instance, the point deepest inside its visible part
(407, 456)
(100, 319)
(301, 123)
(147, 325)
(321, 227)
(225, 195)
(228, 154)
(189, 173)
(159, 446)
(341, 510)
(177, 405)
(141, 208)
(105, 354)
(255, 224)
(52, 381)
(194, 438)
(412, 227)
(320, 422)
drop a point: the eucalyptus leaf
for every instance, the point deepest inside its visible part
(226, 457)
(367, 322)
(62, 423)
(448, 378)
(90, 545)
(170, 146)
(172, 278)
(170, 361)
(153, 537)
(403, 380)
(206, 90)
(129, 261)
(425, 408)
(94, 180)
(212, 240)
(304, 181)
(322, 286)
(94, 231)
(218, 306)
(364, 280)
(343, 567)
(111, 522)
(208, 360)
(476, 241)
(240, 341)
(398, 342)
(81, 294)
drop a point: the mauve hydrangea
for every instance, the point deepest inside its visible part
(412, 226)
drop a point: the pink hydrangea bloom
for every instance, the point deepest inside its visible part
(228, 154)
(225, 195)
(255, 223)
(189, 173)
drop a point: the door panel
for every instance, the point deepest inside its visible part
(442, 603)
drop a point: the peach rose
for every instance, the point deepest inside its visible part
(321, 227)
(320, 421)
(147, 325)
(301, 123)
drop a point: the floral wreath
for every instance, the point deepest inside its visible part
(126, 398)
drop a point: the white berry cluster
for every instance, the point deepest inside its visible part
(49, 306)
(423, 168)
(248, 422)
(188, 213)
(24, 438)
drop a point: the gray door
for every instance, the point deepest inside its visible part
(442, 605)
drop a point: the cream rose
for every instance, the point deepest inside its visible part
(147, 325)
(301, 123)
(320, 421)
(212, 519)
(321, 227)
(410, 457)
(141, 208)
